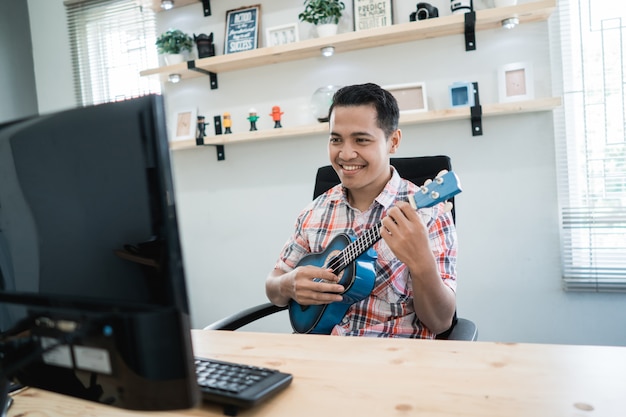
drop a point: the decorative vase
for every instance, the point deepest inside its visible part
(321, 101)
(326, 29)
(172, 59)
(504, 3)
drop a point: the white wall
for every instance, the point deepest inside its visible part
(236, 214)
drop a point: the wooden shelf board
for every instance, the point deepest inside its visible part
(489, 110)
(350, 41)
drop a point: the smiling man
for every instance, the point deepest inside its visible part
(414, 269)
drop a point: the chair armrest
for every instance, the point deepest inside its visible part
(247, 316)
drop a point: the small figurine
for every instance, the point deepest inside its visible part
(205, 45)
(201, 130)
(253, 118)
(227, 123)
(276, 113)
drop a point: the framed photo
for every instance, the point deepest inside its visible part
(242, 29)
(515, 82)
(281, 35)
(185, 125)
(411, 98)
(461, 94)
(370, 14)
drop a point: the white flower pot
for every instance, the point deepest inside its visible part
(504, 3)
(172, 59)
(327, 29)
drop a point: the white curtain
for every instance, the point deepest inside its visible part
(111, 42)
(591, 143)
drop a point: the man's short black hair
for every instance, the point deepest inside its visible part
(383, 101)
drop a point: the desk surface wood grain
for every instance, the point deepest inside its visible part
(339, 376)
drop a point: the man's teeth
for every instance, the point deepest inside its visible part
(351, 167)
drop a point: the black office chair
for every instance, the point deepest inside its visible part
(417, 170)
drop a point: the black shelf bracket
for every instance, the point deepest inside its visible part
(206, 7)
(217, 123)
(470, 31)
(476, 112)
(218, 148)
(191, 65)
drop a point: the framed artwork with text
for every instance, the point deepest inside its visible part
(369, 14)
(242, 29)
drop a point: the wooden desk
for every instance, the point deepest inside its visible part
(338, 376)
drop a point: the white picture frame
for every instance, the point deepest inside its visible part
(281, 35)
(516, 82)
(185, 125)
(411, 97)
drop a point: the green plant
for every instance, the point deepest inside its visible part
(174, 41)
(322, 11)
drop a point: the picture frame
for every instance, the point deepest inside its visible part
(461, 94)
(281, 35)
(185, 125)
(516, 82)
(411, 97)
(242, 29)
(369, 14)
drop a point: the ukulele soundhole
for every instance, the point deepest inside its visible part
(333, 262)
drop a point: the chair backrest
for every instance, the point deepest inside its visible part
(415, 169)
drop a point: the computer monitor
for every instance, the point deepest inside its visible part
(93, 298)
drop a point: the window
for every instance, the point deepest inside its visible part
(111, 41)
(591, 144)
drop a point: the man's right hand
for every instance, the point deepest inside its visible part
(307, 285)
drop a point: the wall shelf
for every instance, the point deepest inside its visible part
(406, 119)
(351, 41)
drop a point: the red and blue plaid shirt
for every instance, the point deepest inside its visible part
(388, 311)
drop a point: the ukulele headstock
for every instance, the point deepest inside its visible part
(445, 186)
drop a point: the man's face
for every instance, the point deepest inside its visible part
(358, 149)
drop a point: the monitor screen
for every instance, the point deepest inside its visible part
(92, 289)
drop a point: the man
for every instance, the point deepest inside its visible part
(415, 281)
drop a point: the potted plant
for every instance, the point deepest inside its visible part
(172, 44)
(324, 14)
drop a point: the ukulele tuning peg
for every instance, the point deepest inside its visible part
(439, 177)
(447, 206)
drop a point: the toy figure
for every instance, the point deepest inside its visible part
(253, 118)
(205, 45)
(276, 113)
(201, 132)
(201, 127)
(227, 123)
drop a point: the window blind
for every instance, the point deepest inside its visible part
(591, 144)
(111, 42)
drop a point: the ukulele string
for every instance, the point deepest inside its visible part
(354, 249)
(367, 239)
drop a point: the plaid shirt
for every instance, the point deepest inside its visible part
(388, 311)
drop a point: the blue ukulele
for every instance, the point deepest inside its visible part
(353, 261)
